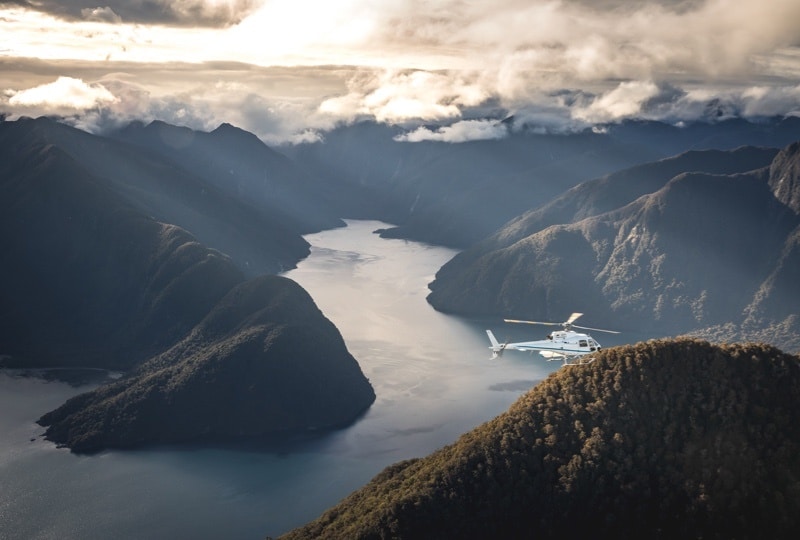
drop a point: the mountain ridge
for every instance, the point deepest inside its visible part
(162, 188)
(458, 194)
(692, 254)
(239, 164)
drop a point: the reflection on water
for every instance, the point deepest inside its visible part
(431, 373)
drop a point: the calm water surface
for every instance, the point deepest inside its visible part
(431, 373)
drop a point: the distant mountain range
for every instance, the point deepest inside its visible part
(458, 194)
(665, 439)
(95, 276)
(704, 241)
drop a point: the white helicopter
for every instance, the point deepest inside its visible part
(566, 345)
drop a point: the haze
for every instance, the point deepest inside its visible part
(288, 70)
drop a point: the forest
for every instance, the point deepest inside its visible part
(662, 439)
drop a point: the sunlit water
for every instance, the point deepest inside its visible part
(431, 373)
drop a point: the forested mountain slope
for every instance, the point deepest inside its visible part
(664, 439)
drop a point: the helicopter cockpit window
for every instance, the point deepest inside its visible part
(583, 343)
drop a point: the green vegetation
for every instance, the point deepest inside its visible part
(664, 439)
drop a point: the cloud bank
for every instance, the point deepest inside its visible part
(446, 70)
(215, 13)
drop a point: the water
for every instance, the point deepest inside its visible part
(431, 373)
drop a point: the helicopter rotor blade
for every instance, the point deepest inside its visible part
(531, 322)
(595, 329)
(572, 318)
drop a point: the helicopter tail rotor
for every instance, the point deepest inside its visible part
(496, 347)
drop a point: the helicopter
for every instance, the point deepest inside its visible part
(566, 345)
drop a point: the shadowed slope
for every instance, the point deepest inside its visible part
(161, 188)
(90, 280)
(263, 361)
(242, 166)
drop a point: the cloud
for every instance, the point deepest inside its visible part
(625, 101)
(100, 14)
(65, 95)
(213, 13)
(766, 101)
(553, 43)
(462, 131)
(448, 65)
(291, 105)
(403, 95)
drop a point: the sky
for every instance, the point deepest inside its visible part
(289, 70)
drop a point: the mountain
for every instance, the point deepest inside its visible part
(677, 253)
(92, 280)
(240, 165)
(160, 187)
(458, 194)
(664, 439)
(263, 361)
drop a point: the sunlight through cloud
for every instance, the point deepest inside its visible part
(560, 64)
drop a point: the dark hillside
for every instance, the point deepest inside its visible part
(161, 188)
(88, 280)
(240, 165)
(665, 439)
(263, 361)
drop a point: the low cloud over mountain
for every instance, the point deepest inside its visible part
(271, 69)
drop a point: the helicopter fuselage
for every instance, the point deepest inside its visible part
(561, 342)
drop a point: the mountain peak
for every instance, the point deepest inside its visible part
(229, 130)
